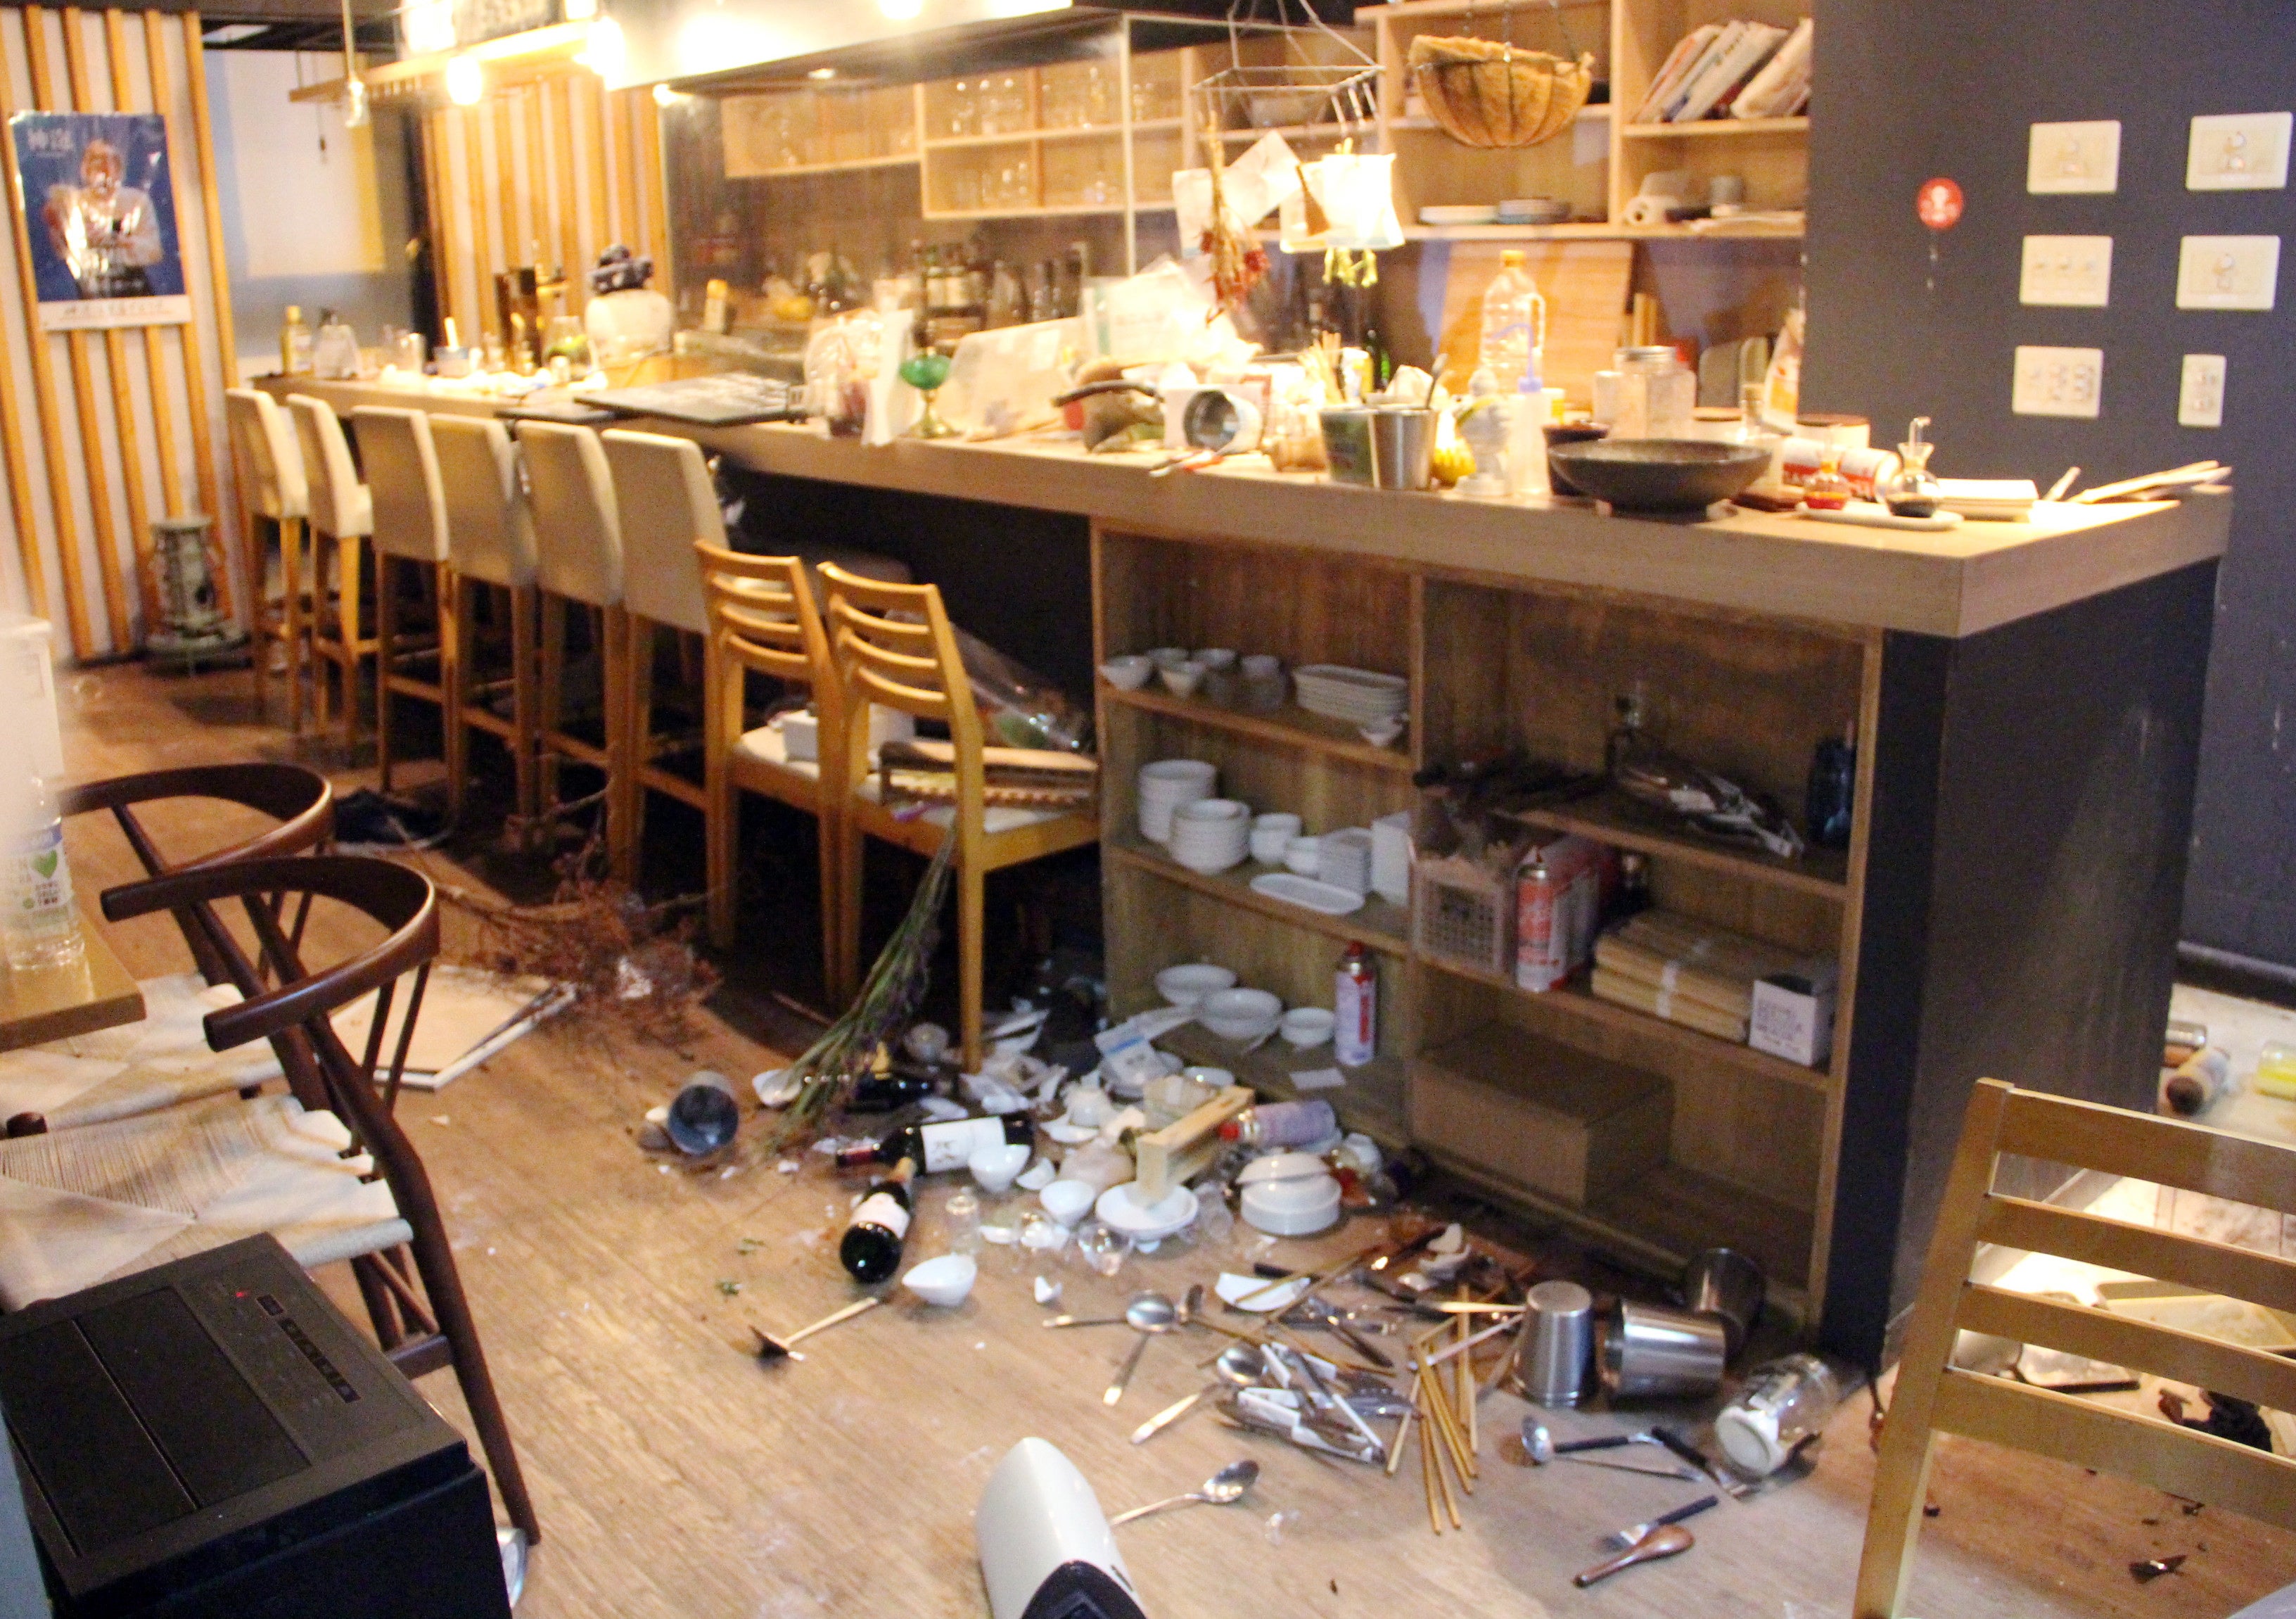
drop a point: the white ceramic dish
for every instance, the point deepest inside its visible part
(1164, 657)
(1190, 981)
(1070, 1134)
(1304, 856)
(1181, 679)
(1240, 1014)
(1459, 213)
(1325, 899)
(1128, 673)
(1306, 1026)
(943, 1282)
(1262, 666)
(996, 1168)
(1292, 1208)
(1121, 1211)
(1216, 657)
(1379, 735)
(1233, 1289)
(1068, 1201)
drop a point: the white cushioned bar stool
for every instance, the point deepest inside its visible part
(490, 543)
(268, 465)
(410, 539)
(341, 520)
(578, 561)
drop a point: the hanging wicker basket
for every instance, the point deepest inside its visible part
(1483, 93)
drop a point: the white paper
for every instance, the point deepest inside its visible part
(1318, 1079)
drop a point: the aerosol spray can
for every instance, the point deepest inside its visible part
(1354, 1000)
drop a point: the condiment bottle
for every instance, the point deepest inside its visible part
(294, 343)
(1355, 1038)
(1827, 489)
(1913, 490)
(1282, 1124)
(871, 1248)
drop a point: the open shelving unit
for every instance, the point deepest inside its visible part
(1749, 1140)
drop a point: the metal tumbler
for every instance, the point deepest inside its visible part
(1724, 1283)
(1558, 1343)
(1651, 1352)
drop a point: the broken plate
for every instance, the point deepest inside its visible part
(1172, 1213)
(1233, 1289)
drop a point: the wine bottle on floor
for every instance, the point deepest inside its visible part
(947, 1145)
(871, 1250)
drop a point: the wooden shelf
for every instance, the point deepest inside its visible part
(907, 160)
(1074, 132)
(1715, 128)
(1063, 211)
(1573, 999)
(1419, 122)
(1589, 230)
(1611, 817)
(1381, 925)
(1371, 1101)
(1408, 9)
(1290, 727)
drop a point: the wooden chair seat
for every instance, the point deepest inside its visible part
(137, 1068)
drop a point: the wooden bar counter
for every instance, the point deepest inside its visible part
(2026, 700)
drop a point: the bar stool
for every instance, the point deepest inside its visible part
(578, 560)
(490, 543)
(893, 646)
(666, 506)
(410, 531)
(268, 468)
(762, 618)
(341, 514)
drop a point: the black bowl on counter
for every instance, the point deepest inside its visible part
(1659, 474)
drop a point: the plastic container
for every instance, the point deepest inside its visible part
(1782, 1403)
(41, 923)
(1514, 327)
(1656, 394)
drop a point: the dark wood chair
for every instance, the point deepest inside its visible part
(422, 1330)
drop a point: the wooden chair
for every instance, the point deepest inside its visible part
(410, 534)
(341, 518)
(331, 1203)
(491, 546)
(579, 561)
(268, 467)
(1933, 1396)
(894, 647)
(668, 506)
(762, 618)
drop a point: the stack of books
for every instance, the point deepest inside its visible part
(1687, 971)
(1732, 70)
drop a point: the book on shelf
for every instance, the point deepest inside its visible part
(1717, 47)
(1752, 49)
(1780, 88)
(1741, 68)
(1688, 50)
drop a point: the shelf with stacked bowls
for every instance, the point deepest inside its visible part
(1240, 705)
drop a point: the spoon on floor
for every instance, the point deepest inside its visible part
(1151, 1315)
(1238, 1366)
(782, 1346)
(1224, 1488)
(1672, 1540)
(1624, 1538)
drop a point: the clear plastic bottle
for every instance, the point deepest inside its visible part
(1782, 1403)
(42, 922)
(1514, 326)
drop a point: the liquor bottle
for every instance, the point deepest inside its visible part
(871, 1248)
(880, 1093)
(946, 1145)
(1633, 895)
(40, 921)
(1354, 1038)
(1832, 792)
(295, 343)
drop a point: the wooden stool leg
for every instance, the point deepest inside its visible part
(552, 718)
(830, 834)
(347, 568)
(259, 611)
(853, 848)
(290, 570)
(386, 633)
(453, 663)
(628, 672)
(522, 609)
(971, 899)
(721, 816)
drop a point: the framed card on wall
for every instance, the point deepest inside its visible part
(100, 219)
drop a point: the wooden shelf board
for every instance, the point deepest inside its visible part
(1332, 131)
(907, 160)
(1379, 925)
(1609, 818)
(1586, 230)
(1573, 999)
(1660, 1220)
(1371, 1101)
(1063, 213)
(1715, 128)
(1290, 727)
(1074, 132)
(1405, 9)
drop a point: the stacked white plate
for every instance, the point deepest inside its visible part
(1359, 696)
(1210, 834)
(1165, 785)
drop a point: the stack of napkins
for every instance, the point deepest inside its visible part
(1990, 499)
(1687, 971)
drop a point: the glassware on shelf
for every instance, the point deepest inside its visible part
(1100, 93)
(926, 372)
(963, 107)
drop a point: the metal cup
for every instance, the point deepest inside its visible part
(1557, 1342)
(1402, 447)
(1651, 1352)
(1724, 1283)
(704, 1116)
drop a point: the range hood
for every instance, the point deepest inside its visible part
(707, 45)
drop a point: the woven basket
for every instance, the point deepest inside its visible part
(1483, 92)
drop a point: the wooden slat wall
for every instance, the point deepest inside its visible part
(549, 167)
(124, 424)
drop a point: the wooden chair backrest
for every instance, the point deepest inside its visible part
(894, 647)
(1932, 1395)
(762, 618)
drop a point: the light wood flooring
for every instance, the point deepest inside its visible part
(676, 1477)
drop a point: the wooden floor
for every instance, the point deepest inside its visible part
(676, 1477)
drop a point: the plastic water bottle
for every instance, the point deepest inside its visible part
(42, 924)
(1514, 326)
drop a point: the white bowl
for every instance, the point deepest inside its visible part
(1166, 657)
(944, 1281)
(1262, 666)
(1190, 981)
(1068, 1201)
(1128, 673)
(1240, 1014)
(1292, 1208)
(1304, 856)
(1217, 657)
(995, 1168)
(1379, 735)
(1181, 679)
(1306, 1026)
(1271, 835)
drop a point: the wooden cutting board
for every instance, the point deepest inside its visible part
(1586, 284)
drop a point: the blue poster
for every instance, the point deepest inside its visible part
(102, 218)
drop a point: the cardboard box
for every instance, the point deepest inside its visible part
(1541, 1115)
(1792, 1017)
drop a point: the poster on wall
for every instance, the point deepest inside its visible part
(100, 218)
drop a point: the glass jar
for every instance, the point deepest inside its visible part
(1913, 490)
(1827, 489)
(1781, 1406)
(1656, 394)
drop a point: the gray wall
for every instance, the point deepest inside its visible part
(1950, 88)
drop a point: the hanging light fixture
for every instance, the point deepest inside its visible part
(466, 81)
(354, 86)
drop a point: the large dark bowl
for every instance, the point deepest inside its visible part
(1660, 474)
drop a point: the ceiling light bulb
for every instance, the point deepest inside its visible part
(901, 11)
(466, 81)
(823, 73)
(663, 95)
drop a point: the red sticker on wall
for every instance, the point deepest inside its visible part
(1938, 203)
